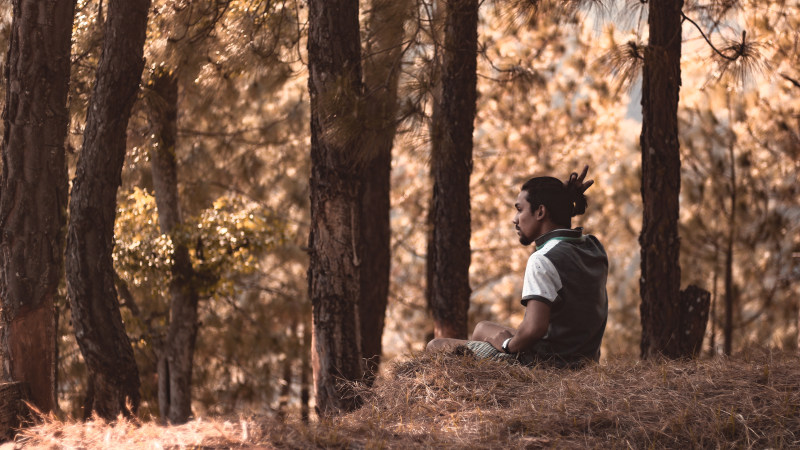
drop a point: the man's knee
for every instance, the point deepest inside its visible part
(482, 330)
(432, 345)
(443, 344)
(437, 344)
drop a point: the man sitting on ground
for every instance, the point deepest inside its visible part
(564, 288)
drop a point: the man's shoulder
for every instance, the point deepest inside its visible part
(585, 251)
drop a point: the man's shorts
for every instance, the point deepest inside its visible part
(486, 350)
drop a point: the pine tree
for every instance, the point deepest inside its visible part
(334, 82)
(175, 359)
(382, 68)
(100, 332)
(33, 193)
(660, 244)
(448, 257)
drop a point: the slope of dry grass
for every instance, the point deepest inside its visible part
(444, 400)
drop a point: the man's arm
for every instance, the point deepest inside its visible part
(533, 327)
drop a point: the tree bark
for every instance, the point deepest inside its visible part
(660, 244)
(712, 351)
(334, 63)
(305, 374)
(33, 193)
(448, 258)
(11, 408)
(113, 376)
(694, 307)
(729, 294)
(178, 351)
(286, 375)
(383, 59)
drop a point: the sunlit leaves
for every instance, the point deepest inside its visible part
(225, 243)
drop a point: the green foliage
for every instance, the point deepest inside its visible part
(226, 242)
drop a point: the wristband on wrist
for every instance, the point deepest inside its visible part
(505, 345)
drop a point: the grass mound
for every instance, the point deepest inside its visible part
(446, 400)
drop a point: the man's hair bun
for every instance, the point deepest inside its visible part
(578, 200)
(563, 201)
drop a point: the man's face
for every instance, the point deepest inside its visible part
(527, 226)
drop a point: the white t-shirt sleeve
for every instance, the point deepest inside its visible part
(541, 281)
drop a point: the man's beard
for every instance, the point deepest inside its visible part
(524, 240)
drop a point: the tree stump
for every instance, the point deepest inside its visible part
(694, 307)
(11, 409)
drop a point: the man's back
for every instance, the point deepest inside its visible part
(568, 270)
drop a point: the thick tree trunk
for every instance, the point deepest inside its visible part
(660, 244)
(11, 408)
(33, 193)
(448, 256)
(113, 376)
(334, 63)
(384, 52)
(175, 360)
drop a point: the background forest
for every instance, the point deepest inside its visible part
(224, 91)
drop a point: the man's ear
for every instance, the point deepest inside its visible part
(541, 211)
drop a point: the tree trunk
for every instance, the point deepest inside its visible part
(11, 408)
(113, 376)
(305, 374)
(33, 193)
(713, 315)
(660, 244)
(334, 84)
(286, 375)
(448, 256)
(381, 73)
(729, 294)
(176, 356)
(694, 306)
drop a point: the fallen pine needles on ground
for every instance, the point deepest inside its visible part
(451, 401)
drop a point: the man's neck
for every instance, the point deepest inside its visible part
(548, 227)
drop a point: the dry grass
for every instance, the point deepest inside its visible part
(443, 400)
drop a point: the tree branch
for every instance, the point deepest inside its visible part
(708, 41)
(790, 79)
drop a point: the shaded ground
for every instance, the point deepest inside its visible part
(450, 401)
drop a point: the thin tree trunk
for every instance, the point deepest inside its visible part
(178, 351)
(448, 258)
(384, 53)
(286, 376)
(305, 374)
(729, 303)
(729, 294)
(113, 375)
(33, 193)
(334, 63)
(660, 244)
(713, 344)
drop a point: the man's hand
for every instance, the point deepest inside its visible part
(497, 339)
(576, 182)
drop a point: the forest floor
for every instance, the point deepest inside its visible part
(449, 401)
